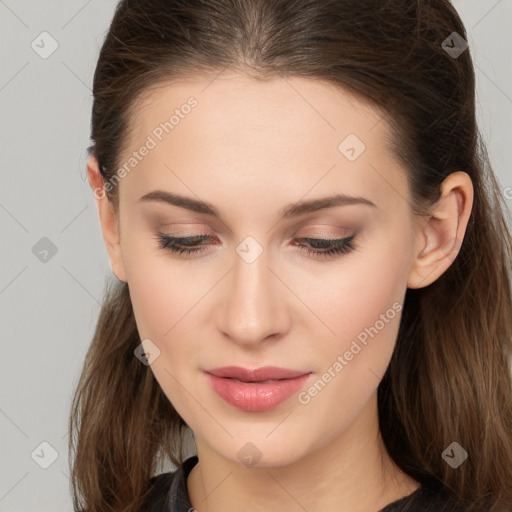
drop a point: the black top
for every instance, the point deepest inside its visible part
(169, 493)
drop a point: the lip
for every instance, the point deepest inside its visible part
(256, 374)
(250, 392)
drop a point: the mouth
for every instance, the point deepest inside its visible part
(248, 391)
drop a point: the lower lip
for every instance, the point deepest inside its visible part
(254, 396)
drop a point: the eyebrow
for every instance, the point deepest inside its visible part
(292, 210)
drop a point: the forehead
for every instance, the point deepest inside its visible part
(235, 129)
(228, 100)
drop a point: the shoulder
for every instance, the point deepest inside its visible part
(159, 485)
(168, 492)
(426, 499)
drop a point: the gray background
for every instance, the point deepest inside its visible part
(48, 310)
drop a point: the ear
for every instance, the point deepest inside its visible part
(108, 218)
(439, 238)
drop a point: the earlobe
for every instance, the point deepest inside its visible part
(108, 218)
(439, 238)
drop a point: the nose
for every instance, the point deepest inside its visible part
(253, 306)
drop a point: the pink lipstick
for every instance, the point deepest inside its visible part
(255, 390)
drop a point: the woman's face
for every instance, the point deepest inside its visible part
(253, 296)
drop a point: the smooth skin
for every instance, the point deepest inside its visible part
(251, 148)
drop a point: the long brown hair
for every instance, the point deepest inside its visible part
(449, 377)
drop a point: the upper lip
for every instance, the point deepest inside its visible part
(256, 374)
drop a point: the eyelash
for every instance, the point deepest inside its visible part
(338, 247)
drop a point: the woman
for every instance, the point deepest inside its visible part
(313, 264)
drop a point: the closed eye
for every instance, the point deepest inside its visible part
(315, 246)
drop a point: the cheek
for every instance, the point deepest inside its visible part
(168, 302)
(162, 301)
(360, 309)
(155, 291)
(363, 307)
(163, 305)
